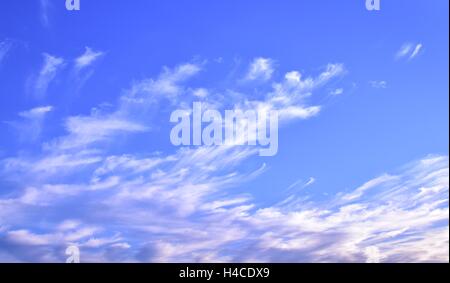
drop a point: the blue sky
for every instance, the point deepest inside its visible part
(85, 152)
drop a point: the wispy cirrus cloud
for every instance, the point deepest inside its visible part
(86, 130)
(36, 113)
(416, 51)
(83, 66)
(389, 212)
(166, 86)
(87, 58)
(135, 207)
(30, 126)
(52, 65)
(402, 218)
(45, 6)
(409, 50)
(311, 181)
(404, 50)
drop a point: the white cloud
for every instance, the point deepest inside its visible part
(36, 113)
(90, 129)
(293, 112)
(30, 126)
(367, 186)
(81, 235)
(295, 87)
(87, 58)
(337, 91)
(368, 229)
(129, 163)
(86, 130)
(48, 165)
(416, 51)
(339, 230)
(410, 50)
(260, 69)
(289, 97)
(69, 224)
(167, 84)
(52, 65)
(404, 50)
(331, 71)
(311, 181)
(386, 219)
(45, 6)
(28, 238)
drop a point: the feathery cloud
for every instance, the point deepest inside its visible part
(30, 126)
(52, 65)
(87, 58)
(416, 51)
(45, 6)
(410, 50)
